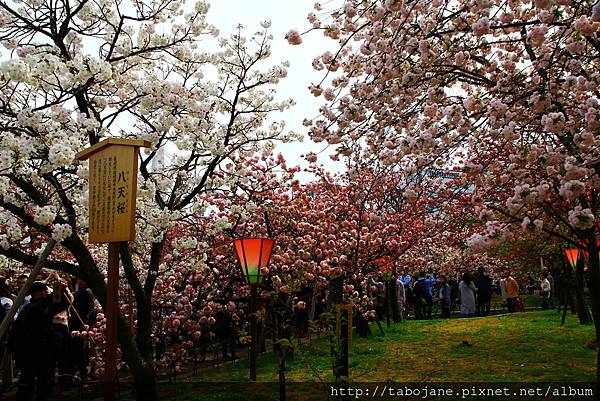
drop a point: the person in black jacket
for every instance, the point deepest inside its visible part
(483, 282)
(84, 303)
(419, 298)
(31, 341)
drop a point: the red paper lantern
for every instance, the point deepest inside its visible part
(385, 267)
(572, 256)
(253, 254)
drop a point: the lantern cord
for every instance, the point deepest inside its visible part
(72, 307)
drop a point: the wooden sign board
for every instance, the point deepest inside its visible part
(338, 317)
(112, 180)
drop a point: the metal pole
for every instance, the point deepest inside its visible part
(253, 332)
(112, 310)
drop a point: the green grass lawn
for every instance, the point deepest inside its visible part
(521, 347)
(529, 301)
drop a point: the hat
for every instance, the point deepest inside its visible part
(37, 286)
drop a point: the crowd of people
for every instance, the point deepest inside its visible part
(47, 357)
(471, 294)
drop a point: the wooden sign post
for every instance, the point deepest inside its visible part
(344, 311)
(112, 180)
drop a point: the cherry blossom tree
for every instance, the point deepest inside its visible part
(506, 90)
(338, 224)
(82, 71)
(342, 224)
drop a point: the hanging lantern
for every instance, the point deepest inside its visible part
(254, 255)
(385, 267)
(572, 256)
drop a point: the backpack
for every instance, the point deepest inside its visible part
(520, 305)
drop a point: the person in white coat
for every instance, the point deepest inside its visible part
(401, 297)
(545, 291)
(467, 292)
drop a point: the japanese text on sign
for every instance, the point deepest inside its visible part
(112, 194)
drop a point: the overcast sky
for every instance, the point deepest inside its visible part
(285, 15)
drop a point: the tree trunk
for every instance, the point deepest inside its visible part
(263, 327)
(582, 308)
(144, 330)
(573, 304)
(280, 348)
(394, 302)
(145, 385)
(567, 284)
(141, 367)
(362, 326)
(565, 294)
(388, 305)
(564, 315)
(339, 345)
(274, 329)
(281, 365)
(594, 286)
